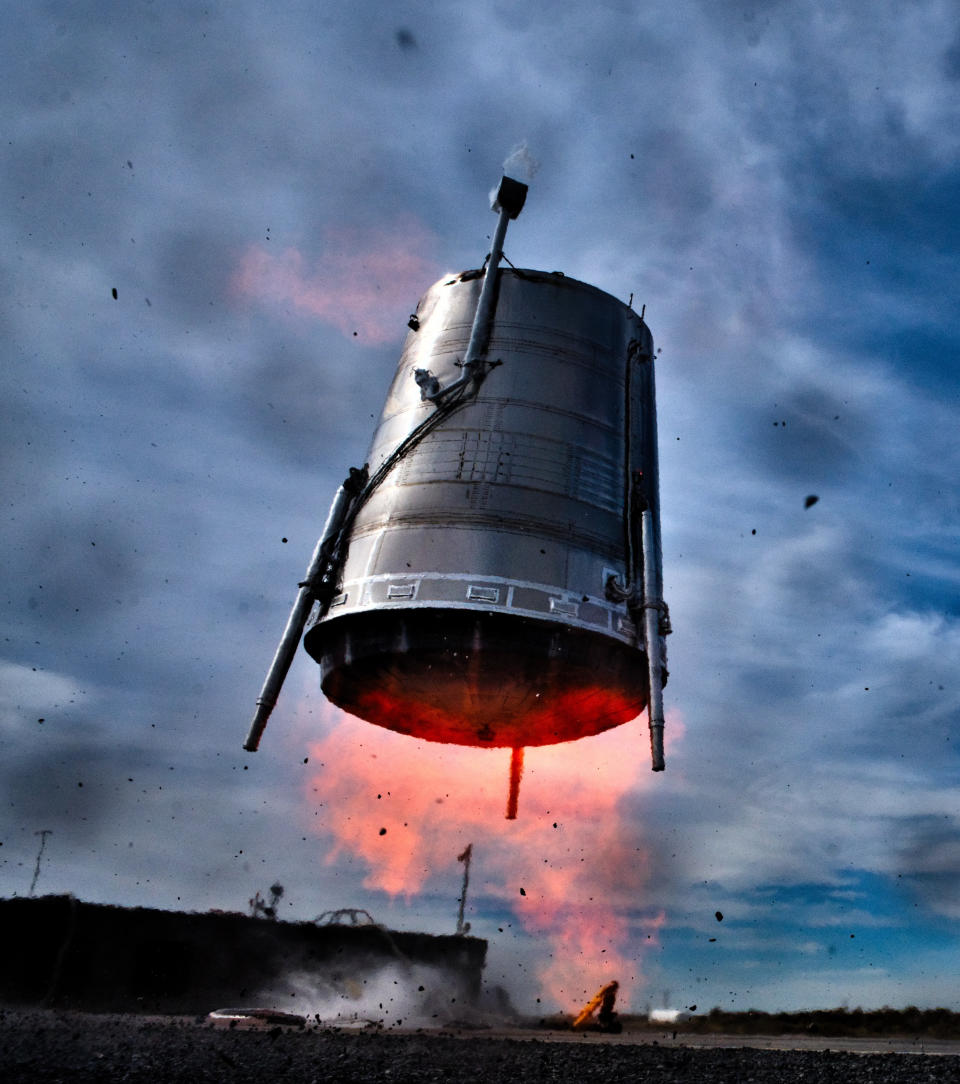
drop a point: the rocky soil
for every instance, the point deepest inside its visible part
(41, 1046)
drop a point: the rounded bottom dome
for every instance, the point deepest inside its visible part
(475, 678)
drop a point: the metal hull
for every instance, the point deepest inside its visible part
(474, 603)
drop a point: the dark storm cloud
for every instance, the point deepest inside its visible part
(87, 560)
(405, 38)
(69, 784)
(893, 241)
(951, 59)
(810, 435)
(923, 344)
(191, 269)
(678, 176)
(911, 209)
(298, 412)
(929, 860)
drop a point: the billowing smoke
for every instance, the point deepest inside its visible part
(520, 164)
(572, 867)
(358, 283)
(390, 995)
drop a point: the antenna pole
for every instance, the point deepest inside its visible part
(465, 859)
(43, 833)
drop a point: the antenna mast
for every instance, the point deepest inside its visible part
(462, 927)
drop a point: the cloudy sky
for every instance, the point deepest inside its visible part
(215, 220)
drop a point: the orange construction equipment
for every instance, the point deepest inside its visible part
(604, 1000)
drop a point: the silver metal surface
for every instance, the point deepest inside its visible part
(495, 578)
(643, 511)
(483, 318)
(474, 365)
(299, 614)
(515, 502)
(652, 607)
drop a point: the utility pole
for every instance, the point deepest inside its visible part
(464, 927)
(43, 833)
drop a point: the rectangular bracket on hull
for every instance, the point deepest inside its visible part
(402, 590)
(563, 606)
(483, 594)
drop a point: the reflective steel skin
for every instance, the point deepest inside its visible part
(478, 599)
(492, 576)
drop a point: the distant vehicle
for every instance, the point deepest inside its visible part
(668, 1016)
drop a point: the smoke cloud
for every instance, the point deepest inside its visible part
(520, 164)
(572, 869)
(360, 283)
(387, 996)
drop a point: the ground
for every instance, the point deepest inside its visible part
(41, 1046)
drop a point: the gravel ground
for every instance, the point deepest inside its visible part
(48, 1046)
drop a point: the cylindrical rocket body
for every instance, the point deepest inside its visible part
(473, 605)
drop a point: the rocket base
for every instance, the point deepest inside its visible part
(477, 678)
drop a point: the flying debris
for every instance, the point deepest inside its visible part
(405, 38)
(492, 576)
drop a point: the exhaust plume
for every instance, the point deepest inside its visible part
(358, 283)
(572, 868)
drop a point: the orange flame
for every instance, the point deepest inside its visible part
(572, 867)
(363, 283)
